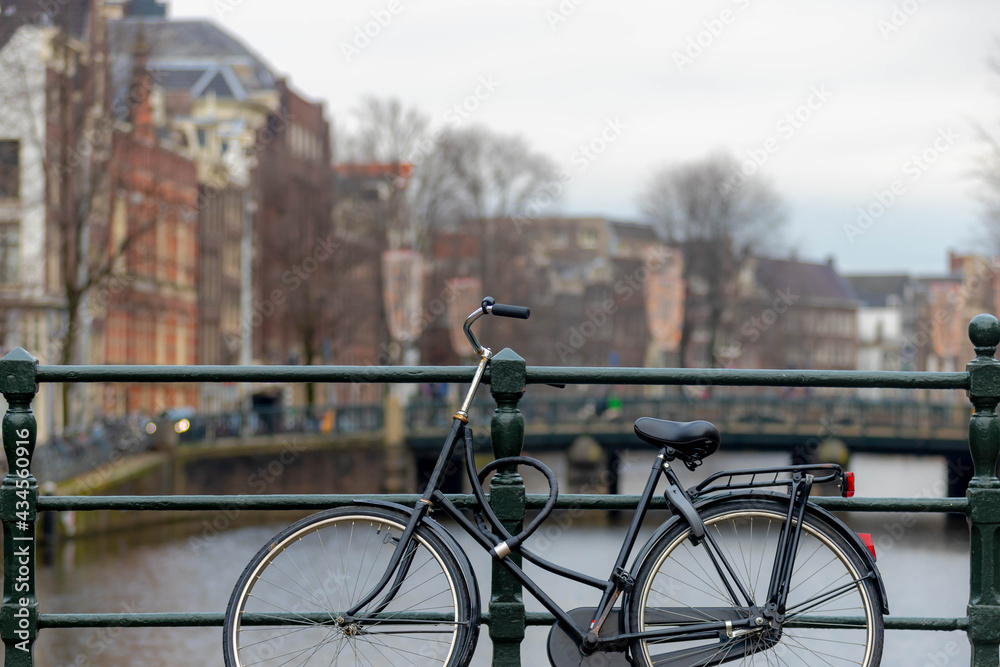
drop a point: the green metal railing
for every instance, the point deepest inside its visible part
(20, 374)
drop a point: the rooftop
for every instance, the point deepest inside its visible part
(188, 55)
(808, 280)
(873, 291)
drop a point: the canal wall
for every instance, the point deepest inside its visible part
(298, 464)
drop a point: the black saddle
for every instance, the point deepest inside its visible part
(690, 441)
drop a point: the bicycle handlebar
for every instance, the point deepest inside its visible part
(503, 310)
(489, 306)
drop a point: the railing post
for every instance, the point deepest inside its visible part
(18, 504)
(984, 494)
(507, 381)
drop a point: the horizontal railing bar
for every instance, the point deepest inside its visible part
(533, 501)
(122, 373)
(946, 505)
(535, 375)
(746, 377)
(185, 619)
(216, 619)
(195, 503)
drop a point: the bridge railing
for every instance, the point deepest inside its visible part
(20, 374)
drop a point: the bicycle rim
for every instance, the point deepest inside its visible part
(285, 608)
(831, 618)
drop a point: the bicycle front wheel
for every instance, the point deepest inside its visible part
(832, 616)
(284, 610)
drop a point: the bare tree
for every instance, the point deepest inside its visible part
(476, 174)
(387, 131)
(72, 129)
(718, 227)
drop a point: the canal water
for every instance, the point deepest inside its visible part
(924, 560)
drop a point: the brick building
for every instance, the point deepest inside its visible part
(296, 249)
(791, 314)
(149, 313)
(587, 280)
(40, 104)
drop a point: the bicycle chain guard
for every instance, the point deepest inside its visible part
(565, 652)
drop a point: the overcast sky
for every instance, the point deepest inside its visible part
(887, 81)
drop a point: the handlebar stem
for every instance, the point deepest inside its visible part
(484, 355)
(484, 359)
(469, 321)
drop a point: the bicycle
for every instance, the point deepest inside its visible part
(745, 569)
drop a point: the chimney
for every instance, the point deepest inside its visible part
(140, 112)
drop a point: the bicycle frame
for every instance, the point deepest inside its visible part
(744, 614)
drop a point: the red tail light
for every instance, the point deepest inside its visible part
(867, 539)
(848, 485)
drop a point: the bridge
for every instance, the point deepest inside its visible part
(756, 423)
(22, 619)
(746, 422)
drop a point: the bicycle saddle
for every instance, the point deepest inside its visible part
(691, 440)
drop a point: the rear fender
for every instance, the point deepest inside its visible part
(460, 557)
(819, 513)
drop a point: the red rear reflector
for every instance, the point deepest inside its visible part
(848, 484)
(867, 539)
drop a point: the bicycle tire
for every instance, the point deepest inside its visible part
(315, 569)
(677, 576)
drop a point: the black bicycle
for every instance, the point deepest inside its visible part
(745, 571)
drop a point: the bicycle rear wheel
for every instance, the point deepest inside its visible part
(832, 618)
(284, 609)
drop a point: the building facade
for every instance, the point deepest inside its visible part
(44, 86)
(148, 312)
(792, 314)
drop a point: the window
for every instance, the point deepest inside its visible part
(10, 169)
(10, 245)
(588, 238)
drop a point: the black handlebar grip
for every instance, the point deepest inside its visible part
(503, 310)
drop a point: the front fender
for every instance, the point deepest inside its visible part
(460, 557)
(817, 512)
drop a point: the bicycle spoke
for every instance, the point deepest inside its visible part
(824, 582)
(303, 576)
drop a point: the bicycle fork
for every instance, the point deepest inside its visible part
(402, 557)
